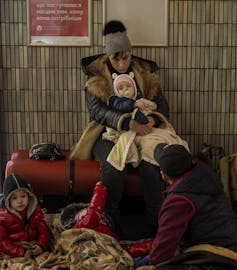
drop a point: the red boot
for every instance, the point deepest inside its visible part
(92, 216)
(137, 249)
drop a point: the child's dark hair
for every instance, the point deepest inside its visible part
(113, 27)
(67, 216)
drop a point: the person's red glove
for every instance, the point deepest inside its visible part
(137, 249)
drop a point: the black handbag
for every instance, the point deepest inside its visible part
(46, 151)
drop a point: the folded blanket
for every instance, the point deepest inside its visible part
(131, 148)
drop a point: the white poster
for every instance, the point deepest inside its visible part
(146, 21)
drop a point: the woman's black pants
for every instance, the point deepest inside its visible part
(152, 184)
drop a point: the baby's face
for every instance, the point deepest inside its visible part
(126, 89)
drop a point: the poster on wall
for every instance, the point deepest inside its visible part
(59, 22)
(146, 21)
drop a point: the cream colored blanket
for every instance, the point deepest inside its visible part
(131, 148)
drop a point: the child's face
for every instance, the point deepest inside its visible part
(125, 89)
(19, 200)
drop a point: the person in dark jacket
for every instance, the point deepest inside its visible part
(101, 71)
(23, 230)
(197, 225)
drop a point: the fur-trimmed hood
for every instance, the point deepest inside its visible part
(101, 84)
(12, 183)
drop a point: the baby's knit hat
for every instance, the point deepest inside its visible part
(116, 39)
(174, 159)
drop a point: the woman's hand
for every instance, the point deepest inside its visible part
(151, 121)
(141, 129)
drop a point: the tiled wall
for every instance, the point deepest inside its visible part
(42, 97)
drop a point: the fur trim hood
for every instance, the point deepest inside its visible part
(101, 83)
(12, 183)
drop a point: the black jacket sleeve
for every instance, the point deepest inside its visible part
(102, 113)
(121, 104)
(162, 104)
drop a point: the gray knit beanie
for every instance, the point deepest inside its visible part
(117, 42)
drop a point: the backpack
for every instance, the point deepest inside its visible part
(225, 166)
(46, 151)
(211, 154)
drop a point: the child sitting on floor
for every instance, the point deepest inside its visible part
(23, 230)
